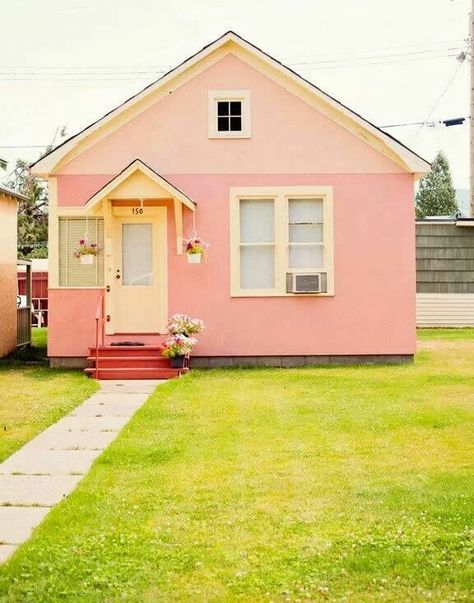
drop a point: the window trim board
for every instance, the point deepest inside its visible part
(229, 95)
(280, 194)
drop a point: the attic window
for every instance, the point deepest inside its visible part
(229, 114)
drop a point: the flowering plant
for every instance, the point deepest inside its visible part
(178, 345)
(182, 324)
(86, 248)
(195, 245)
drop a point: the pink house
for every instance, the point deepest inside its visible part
(308, 209)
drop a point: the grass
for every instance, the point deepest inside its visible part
(32, 396)
(341, 484)
(441, 333)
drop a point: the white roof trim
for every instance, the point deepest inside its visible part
(410, 160)
(138, 165)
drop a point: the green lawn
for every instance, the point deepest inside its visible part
(341, 484)
(450, 333)
(32, 396)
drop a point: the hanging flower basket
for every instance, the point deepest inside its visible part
(85, 252)
(87, 259)
(195, 249)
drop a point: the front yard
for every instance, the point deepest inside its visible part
(351, 483)
(32, 396)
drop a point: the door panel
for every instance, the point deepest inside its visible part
(139, 283)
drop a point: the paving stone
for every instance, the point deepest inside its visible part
(45, 490)
(115, 397)
(49, 462)
(56, 439)
(70, 423)
(6, 550)
(16, 523)
(107, 409)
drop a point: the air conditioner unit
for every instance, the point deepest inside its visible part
(306, 282)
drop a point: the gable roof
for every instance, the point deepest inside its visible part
(364, 129)
(139, 165)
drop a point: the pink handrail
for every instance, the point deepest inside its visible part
(99, 328)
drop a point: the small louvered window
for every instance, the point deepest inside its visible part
(71, 272)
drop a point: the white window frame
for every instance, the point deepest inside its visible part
(281, 195)
(229, 95)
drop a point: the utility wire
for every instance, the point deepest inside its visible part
(111, 73)
(399, 125)
(424, 123)
(440, 98)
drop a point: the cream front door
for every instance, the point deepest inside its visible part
(138, 279)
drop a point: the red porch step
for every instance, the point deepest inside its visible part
(131, 362)
(136, 373)
(127, 350)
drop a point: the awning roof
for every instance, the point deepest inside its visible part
(140, 166)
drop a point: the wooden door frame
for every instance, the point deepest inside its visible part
(158, 215)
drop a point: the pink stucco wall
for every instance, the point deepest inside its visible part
(71, 321)
(373, 310)
(288, 136)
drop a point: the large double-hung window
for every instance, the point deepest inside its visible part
(277, 233)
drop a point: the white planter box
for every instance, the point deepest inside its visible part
(87, 259)
(194, 258)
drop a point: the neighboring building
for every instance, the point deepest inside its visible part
(39, 290)
(278, 176)
(8, 268)
(445, 271)
(463, 201)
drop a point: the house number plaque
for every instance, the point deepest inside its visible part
(138, 211)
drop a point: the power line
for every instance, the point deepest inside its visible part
(447, 122)
(440, 98)
(24, 146)
(455, 121)
(383, 56)
(105, 73)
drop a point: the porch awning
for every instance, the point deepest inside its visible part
(129, 172)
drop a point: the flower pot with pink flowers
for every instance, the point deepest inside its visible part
(195, 249)
(177, 348)
(179, 345)
(86, 252)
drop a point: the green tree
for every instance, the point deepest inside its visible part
(32, 212)
(436, 195)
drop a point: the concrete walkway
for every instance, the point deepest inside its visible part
(48, 468)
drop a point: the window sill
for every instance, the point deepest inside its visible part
(230, 136)
(279, 294)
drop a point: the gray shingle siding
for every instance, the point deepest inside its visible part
(444, 258)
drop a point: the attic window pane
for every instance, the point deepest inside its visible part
(236, 108)
(236, 124)
(223, 108)
(223, 124)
